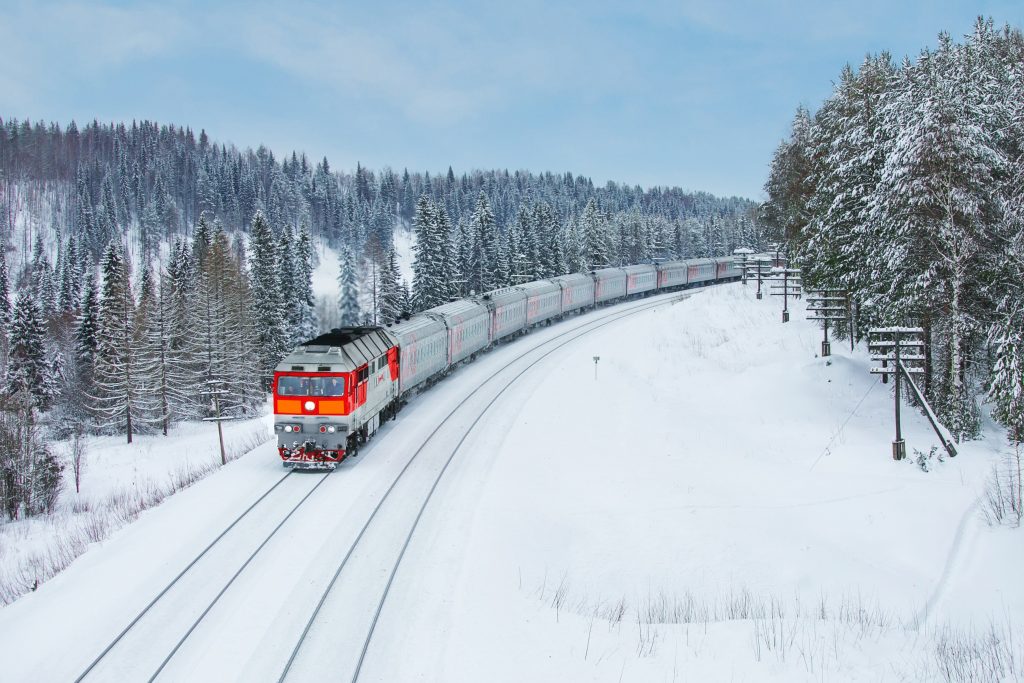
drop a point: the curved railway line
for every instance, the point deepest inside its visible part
(337, 626)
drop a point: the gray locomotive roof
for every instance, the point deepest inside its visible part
(540, 286)
(340, 350)
(643, 268)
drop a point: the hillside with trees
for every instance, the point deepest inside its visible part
(143, 266)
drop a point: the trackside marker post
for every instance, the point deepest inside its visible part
(596, 358)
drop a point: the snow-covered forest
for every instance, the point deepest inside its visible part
(143, 267)
(906, 188)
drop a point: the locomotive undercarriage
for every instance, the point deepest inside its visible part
(309, 455)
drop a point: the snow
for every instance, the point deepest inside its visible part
(116, 480)
(718, 504)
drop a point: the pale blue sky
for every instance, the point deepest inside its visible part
(695, 94)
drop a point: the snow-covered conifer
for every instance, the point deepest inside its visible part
(266, 294)
(348, 289)
(28, 368)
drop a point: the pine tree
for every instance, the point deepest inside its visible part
(348, 290)
(302, 285)
(29, 370)
(5, 311)
(266, 294)
(429, 288)
(596, 247)
(150, 372)
(389, 301)
(485, 273)
(87, 336)
(115, 405)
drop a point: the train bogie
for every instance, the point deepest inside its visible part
(640, 279)
(577, 291)
(609, 284)
(507, 311)
(468, 327)
(543, 301)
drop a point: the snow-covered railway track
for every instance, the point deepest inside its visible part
(131, 654)
(337, 635)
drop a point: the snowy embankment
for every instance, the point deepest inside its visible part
(717, 504)
(118, 481)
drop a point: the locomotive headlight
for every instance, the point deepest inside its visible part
(310, 405)
(287, 428)
(331, 429)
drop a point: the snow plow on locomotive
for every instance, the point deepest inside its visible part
(332, 393)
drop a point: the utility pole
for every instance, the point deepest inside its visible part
(216, 392)
(740, 257)
(827, 305)
(791, 286)
(903, 348)
(761, 267)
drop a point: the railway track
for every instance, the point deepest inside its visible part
(335, 614)
(210, 573)
(380, 537)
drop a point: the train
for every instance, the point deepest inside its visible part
(333, 392)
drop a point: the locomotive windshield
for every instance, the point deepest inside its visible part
(310, 386)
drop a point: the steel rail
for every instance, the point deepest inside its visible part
(174, 581)
(612, 316)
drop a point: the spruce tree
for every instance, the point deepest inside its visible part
(302, 286)
(390, 299)
(485, 274)
(28, 368)
(115, 403)
(266, 294)
(348, 290)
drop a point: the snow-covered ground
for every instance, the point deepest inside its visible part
(716, 473)
(117, 481)
(717, 504)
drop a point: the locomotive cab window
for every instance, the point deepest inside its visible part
(311, 386)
